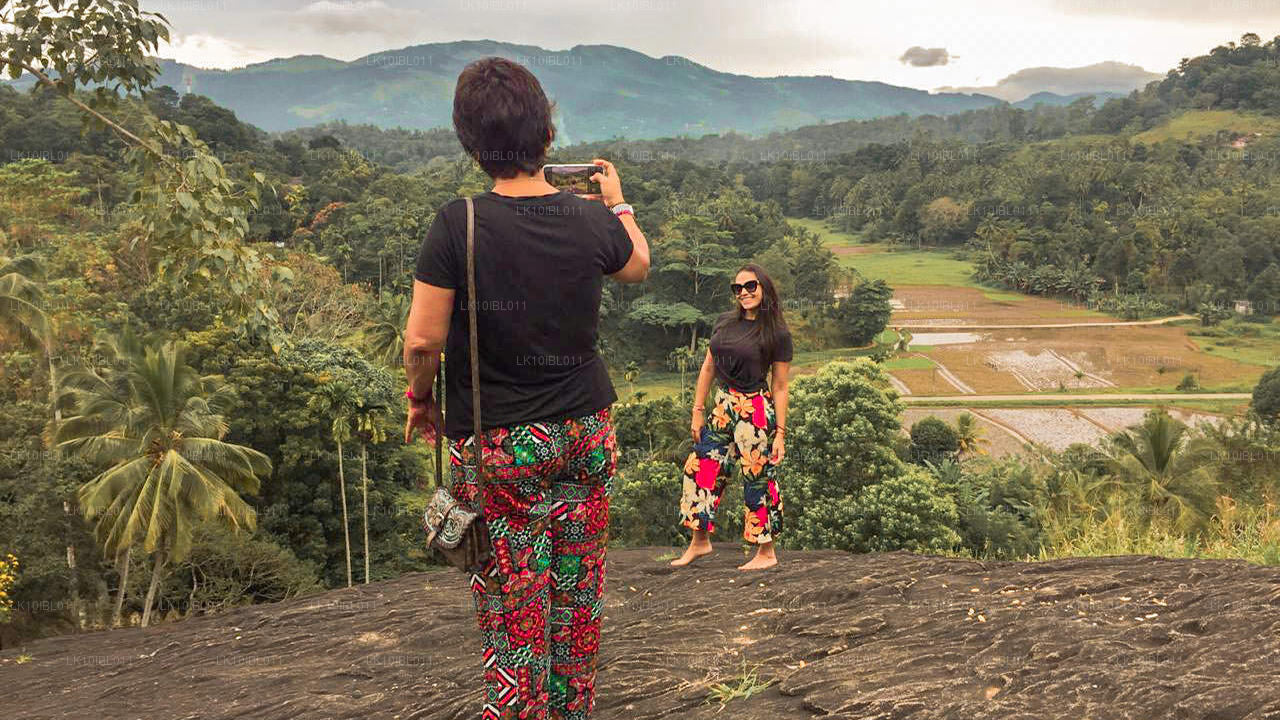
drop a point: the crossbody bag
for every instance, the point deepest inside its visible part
(455, 528)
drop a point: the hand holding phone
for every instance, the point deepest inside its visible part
(596, 180)
(577, 178)
(610, 183)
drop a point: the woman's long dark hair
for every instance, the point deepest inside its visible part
(769, 320)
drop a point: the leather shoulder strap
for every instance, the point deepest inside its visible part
(477, 437)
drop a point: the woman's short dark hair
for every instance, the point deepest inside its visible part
(502, 117)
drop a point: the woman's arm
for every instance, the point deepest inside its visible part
(637, 267)
(778, 388)
(424, 339)
(700, 391)
(705, 376)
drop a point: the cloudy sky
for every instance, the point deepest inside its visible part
(917, 43)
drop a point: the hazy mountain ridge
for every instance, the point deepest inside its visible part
(602, 91)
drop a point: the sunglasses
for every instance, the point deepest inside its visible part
(750, 286)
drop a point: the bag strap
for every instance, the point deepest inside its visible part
(477, 435)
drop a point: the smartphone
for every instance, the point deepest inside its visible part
(573, 177)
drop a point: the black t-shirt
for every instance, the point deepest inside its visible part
(739, 355)
(540, 267)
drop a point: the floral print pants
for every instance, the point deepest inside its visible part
(539, 600)
(739, 428)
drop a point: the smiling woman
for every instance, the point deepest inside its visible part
(747, 345)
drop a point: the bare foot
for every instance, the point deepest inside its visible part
(693, 552)
(760, 561)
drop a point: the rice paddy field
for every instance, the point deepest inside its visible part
(971, 341)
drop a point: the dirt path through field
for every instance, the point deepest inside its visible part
(962, 326)
(1067, 399)
(947, 375)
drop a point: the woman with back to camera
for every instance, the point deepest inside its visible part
(549, 449)
(747, 423)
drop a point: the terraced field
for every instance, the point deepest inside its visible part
(1090, 353)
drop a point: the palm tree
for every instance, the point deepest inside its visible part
(22, 300)
(338, 400)
(969, 434)
(630, 373)
(681, 359)
(370, 432)
(160, 428)
(384, 336)
(22, 312)
(1166, 469)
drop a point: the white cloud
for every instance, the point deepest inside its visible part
(210, 51)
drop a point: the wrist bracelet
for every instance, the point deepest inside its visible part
(623, 209)
(408, 392)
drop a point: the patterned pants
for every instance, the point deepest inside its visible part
(539, 600)
(739, 428)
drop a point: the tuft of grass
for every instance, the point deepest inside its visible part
(1236, 531)
(667, 556)
(740, 687)
(910, 362)
(23, 659)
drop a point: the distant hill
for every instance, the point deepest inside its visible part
(1054, 99)
(1104, 78)
(602, 91)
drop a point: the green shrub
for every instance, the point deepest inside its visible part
(906, 512)
(645, 506)
(1266, 397)
(655, 429)
(933, 440)
(229, 569)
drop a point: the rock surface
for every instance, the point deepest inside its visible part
(837, 636)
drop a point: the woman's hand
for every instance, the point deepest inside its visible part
(778, 450)
(610, 183)
(426, 418)
(696, 426)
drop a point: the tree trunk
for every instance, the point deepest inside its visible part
(73, 574)
(364, 497)
(122, 566)
(156, 572)
(346, 529)
(693, 338)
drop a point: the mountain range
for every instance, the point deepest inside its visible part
(1105, 79)
(601, 92)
